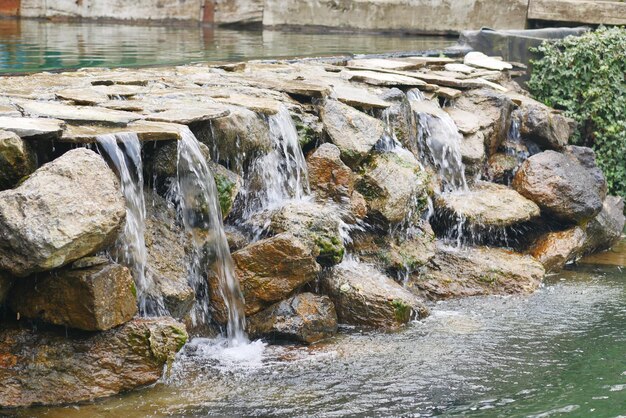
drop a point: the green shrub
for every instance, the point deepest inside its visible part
(586, 77)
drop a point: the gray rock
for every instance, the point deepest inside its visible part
(605, 230)
(364, 296)
(545, 127)
(394, 187)
(32, 127)
(92, 299)
(54, 367)
(78, 114)
(568, 186)
(353, 132)
(67, 209)
(17, 159)
(476, 271)
(304, 318)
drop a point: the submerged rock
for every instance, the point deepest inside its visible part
(304, 318)
(394, 187)
(567, 186)
(477, 271)
(67, 209)
(605, 230)
(94, 298)
(557, 248)
(270, 270)
(355, 133)
(53, 367)
(17, 159)
(364, 296)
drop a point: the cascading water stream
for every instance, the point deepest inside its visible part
(197, 196)
(124, 152)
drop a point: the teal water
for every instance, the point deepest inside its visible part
(31, 45)
(560, 352)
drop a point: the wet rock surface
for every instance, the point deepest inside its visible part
(67, 209)
(555, 249)
(364, 296)
(46, 367)
(17, 159)
(568, 186)
(92, 298)
(305, 318)
(476, 271)
(605, 230)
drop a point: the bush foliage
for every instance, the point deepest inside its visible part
(586, 77)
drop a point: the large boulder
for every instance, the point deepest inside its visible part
(484, 212)
(605, 230)
(567, 186)
(58, 366)
(316, 225)
(67, 209)
(329, 177)
(270, 270)
(166, 262)
(394, 186)
(557, 248)
(304, 318)
(492, 111)
(364, 296)
(97, 297)
(355, 133)
(477, 271)
(17, 159)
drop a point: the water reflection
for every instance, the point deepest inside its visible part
(30, 45)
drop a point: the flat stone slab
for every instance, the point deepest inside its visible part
(186, 115)
(467, 122)
(459, 68)
(385, 63)
(78, 114)
(86, 96)
(145, 130)
(489, 204)
(262, 105)
(449, 93)
(480, 60)
(32, 127)
(382, 79)
(430, 60)
(356, 97)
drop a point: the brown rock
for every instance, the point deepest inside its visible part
(53, 367)
(305, 318)
(555, 249)
(329, 177)
(95, 298)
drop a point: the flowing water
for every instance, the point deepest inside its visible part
(196, 194)
(32, 45)
(124, 152)
(557, 353)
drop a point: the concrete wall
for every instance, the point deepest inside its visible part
(182, 10)
(432, 16)
(244, 12)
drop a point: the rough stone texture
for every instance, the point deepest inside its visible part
(240, 12)
(316, 225)
(32, 127)
(78, 114)
(16, 159)
(401, 252)
(305, 318)
(271, 269)
(394, 187)
(605, 230)
(94, 298)
(568, 186)
(55, 366)
(66, 210)
(544, 126)
(487, 204)
(166, 263)
(493, 112)
(501, 168)
(364, 296)
(555, 249)
(228, 186)
(329, 177)
(407, 15)
(477, 271)
(353, 132)
(236, 138)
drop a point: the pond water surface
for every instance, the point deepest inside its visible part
(558, 352)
